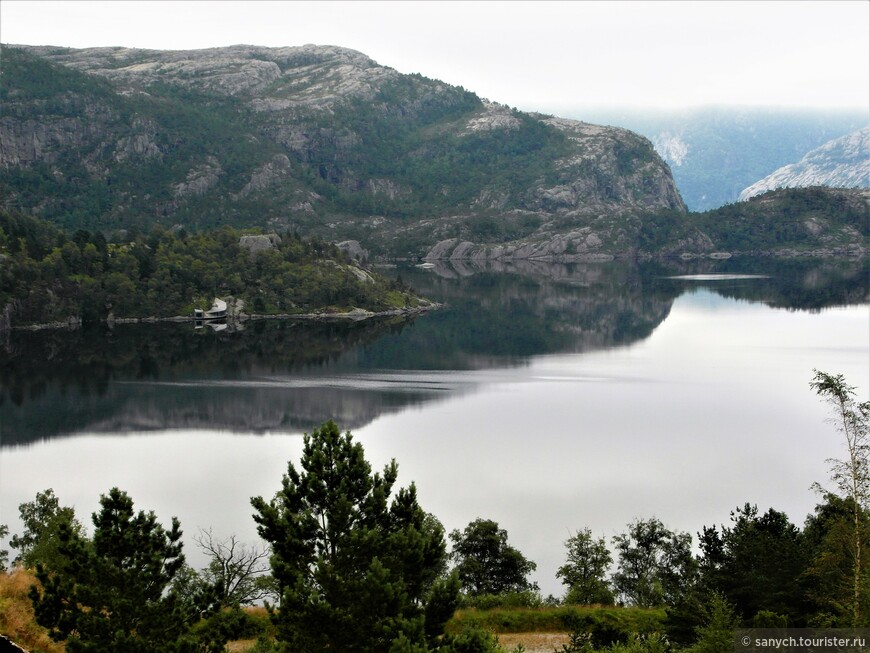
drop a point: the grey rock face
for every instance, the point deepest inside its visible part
(200, 179)
(257, 243)
(841, 163)
(353, 249)
(266, 176)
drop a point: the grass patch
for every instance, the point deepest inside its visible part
(16, 613)
(560, 619)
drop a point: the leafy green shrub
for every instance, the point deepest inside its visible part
(527, 599)
(472, 640)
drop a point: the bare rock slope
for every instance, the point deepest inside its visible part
(840, 163)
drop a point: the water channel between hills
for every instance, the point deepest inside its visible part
(545, 397)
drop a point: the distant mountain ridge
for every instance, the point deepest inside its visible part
(317, 139)
(716, 152)
(840, 163)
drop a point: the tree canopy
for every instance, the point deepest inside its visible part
(110, 594)
(357, 567)
(486, 563)
(49, 276)
(585, 570)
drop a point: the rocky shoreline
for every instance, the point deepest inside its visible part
(354, 315)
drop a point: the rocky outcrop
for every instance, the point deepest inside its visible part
(200, 179)
(628, 174)
(265, 176)
(579, 245)
(841, 163)
(259, 242)
(353, 249)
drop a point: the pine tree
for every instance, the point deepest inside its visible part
(356, 570)
(108, 594)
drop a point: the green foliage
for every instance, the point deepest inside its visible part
(516, 599)
(797, 218)
(663, 231)
(655, 564)
(356, 571)
(471, 640)
(560, 619)
(25, 77)
(651, 643)
(720, 620)
(756, 563)
(212, 634)
(584, 572)
(109, 594)
(852, 476)
(486, 563)
(829, 579)
(51, 277)
(43, 519)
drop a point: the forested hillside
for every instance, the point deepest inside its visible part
(317, 139)
(48, 276)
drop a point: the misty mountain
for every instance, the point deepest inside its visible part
(716, 152)
(840, 163)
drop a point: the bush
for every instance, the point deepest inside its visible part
(604, 621)
(527, 599)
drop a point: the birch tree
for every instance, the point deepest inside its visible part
(852, 474)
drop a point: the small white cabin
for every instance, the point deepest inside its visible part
(218, 311)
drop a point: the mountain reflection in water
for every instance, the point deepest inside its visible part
(291, 376)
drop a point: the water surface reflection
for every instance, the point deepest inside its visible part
(291, 376)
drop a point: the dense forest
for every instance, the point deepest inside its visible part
(48, 276)
(790, 221)
(354, 565)
(800, 218)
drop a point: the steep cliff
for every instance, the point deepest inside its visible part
(319, 139)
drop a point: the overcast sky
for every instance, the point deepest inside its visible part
(531, 55)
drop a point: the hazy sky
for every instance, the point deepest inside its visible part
(532, 55)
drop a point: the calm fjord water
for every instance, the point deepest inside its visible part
(545, 397)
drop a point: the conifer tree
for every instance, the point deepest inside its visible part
(108, 594)
(357, 569)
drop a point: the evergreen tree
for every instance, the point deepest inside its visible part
(357, 571)
(108, 595)
(756, 563)
(716, 635)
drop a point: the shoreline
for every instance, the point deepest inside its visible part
(355, 315)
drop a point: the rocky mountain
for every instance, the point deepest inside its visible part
(321, 140)
(716, 152)
(840, 163)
